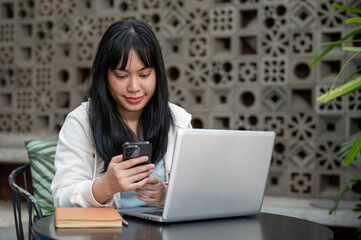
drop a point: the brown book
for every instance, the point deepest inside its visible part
(89, 217)
(89, 231)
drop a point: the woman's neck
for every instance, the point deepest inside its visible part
(132, 120)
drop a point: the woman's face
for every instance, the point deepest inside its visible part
(132, 87)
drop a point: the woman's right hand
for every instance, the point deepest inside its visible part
(121, 177)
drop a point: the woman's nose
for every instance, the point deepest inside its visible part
(133, 85)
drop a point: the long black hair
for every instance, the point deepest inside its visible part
(109, 130)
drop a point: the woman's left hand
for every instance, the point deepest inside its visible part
(153, 192)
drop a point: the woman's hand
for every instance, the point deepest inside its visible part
(121, 177)
(153, 192)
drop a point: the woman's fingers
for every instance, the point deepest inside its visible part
(134, 161)
(123, 177)
(116, 159)
(154, 180)
(150, 200)
(140, 176)
(152, 192)
(124, 222)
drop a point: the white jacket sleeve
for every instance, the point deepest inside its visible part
(75, 163)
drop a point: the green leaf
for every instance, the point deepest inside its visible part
(353, 21)
(327, 50)
(347, 88)
(353, 49)
(354, 150)
(339, 42)
(338, 76)
(353, 74)
(344, 188)
(349, 9)
(345, 149)
(354, 177)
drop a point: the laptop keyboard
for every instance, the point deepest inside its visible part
(157, 213)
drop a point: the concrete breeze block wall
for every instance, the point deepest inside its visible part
(234, 64)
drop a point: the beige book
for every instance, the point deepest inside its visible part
(89, 217)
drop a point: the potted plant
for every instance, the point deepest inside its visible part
(350, 152)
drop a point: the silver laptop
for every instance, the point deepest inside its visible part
(215, 174)
(244, 228)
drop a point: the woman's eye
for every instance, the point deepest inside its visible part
(144, 75)
(121, 76)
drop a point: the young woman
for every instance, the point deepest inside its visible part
(128, 101)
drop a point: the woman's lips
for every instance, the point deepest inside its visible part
(134, 100)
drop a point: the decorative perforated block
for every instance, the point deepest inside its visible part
(5, 122)
(328, 184)
(7, 10)
(301, 183)
(274, 70)
(303, 14)
(221, 121)
(329, 17)
(247, 99)
(221, 100)
(174, 48)
(302, 126)
(302, 154)
(354, 102)
(198, 47)
(6, 101)
(222, 20)
(7, 78)
(199, 100)
(247, 71)
(174, 23)
(276, 183)
(353, 125)
(275, 16)
(249, 18)
(222, 74)
(331, 127)
(327, 156)
(7, 32)
(197, 74)
(331, 35)
(280, 155)
(301, 98)
(200, 120)
(248, 44)
(178, 95)
(247, 121)
(276, 123)
(274, 99)
(22, 123)
(275, 43)
(300, 72)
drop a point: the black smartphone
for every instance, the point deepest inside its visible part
(137, 149)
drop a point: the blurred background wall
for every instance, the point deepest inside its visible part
(233, 64)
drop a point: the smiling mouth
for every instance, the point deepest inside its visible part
(134, 99)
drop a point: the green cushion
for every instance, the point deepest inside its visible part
(41, 156)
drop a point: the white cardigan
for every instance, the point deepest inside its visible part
(77, 164)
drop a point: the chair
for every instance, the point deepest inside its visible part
(41, 169)
(17, 193)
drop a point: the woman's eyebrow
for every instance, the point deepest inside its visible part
(126, 70)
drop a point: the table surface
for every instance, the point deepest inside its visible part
(263, 226)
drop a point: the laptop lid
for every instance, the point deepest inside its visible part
(216, 173)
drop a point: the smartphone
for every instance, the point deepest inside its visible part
(137, 149)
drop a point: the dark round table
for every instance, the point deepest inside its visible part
(262, 226)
